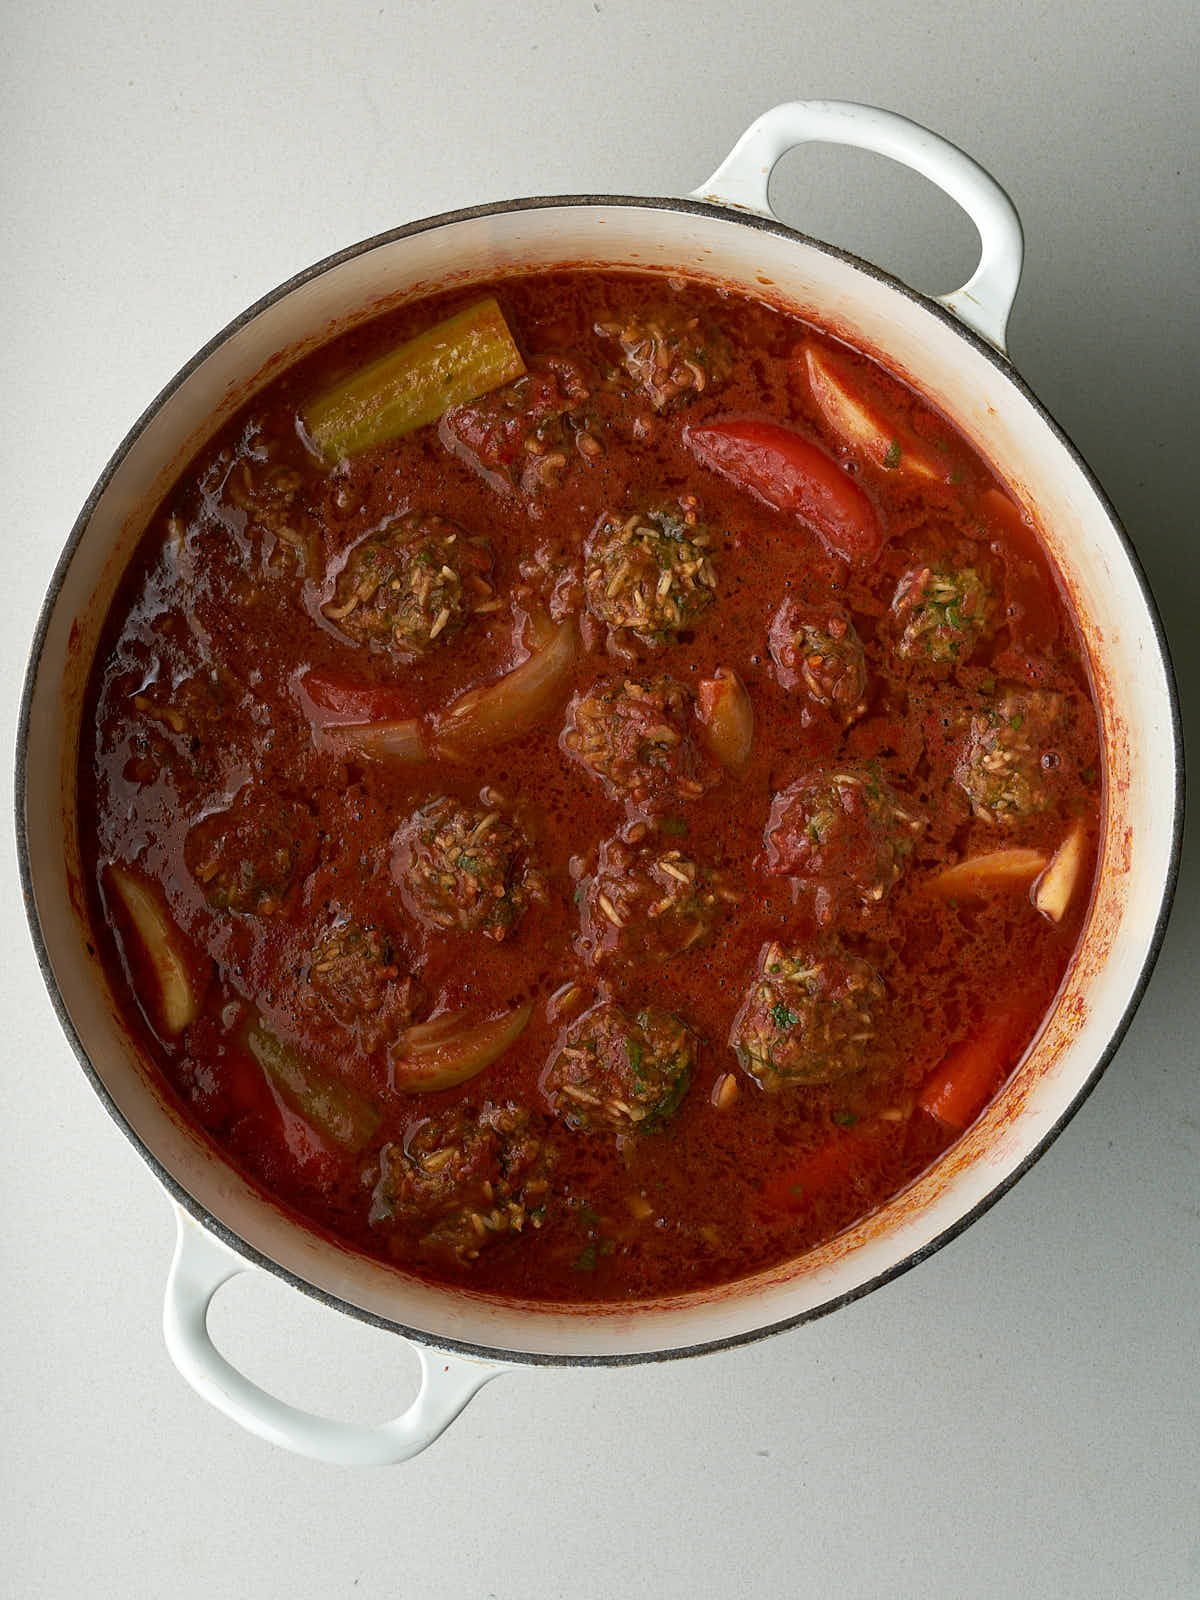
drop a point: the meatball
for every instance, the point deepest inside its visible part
(636, 736)
(1003, 765)
(527, 433)
(808, 1018)
(413, 585)
(845, 833)
(646, 900)
(942, 613)
(463, 867)
(271, 494)
(671, 357)
(464, 1179)
(355, 976)
(622, 1075)
(817, 650)
(184, 730)
(248, 857)
(650, 573)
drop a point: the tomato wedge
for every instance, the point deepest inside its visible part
(333, 700)
(790, 474)
(970, 1073)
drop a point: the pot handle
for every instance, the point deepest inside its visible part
(985, 302)
(200, 1266)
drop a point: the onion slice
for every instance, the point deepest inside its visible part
(515, 703)
(176, 1001)
(727, 717)
(449, 1050)
(863, 427)
(1058, 883)
(975, 876)
(400, 743)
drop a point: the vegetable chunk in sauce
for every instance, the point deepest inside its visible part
(601, 838)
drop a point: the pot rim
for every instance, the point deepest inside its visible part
(166, 1178)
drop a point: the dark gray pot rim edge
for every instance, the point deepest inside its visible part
(168, 1181)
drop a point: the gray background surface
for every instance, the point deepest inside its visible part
(1017, 1417)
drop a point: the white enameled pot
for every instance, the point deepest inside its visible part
(953, 352)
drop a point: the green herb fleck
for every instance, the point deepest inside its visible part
(585, 1261)
(783, 1016)
(892, 459)
(674, 825)
(845, 1119)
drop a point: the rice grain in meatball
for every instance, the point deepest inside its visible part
(251, 856)
(463, 1180)
(651, 573)
(1001, 769)
(619, 1074)
(637, 737)
(466, 867)
(650, 901)
(808, 1018)
(847, 833)
(817, 651)
(412, 586)
(942, 613)
(672, 356)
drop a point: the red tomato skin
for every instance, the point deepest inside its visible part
(335, 700)
(789, 473)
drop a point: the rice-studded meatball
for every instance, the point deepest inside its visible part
(847, 831)
(650, 573)
(622, 1074)
(650, 901)
(249, 857)
(818, 653)
(276, 505)
(527, 434)
(355, 975)
(412, 586)
(1005, 763)
(466, 867)
(672, 356)
(942, 612)
(637, 736)
(462, 1180)
(808, 1018)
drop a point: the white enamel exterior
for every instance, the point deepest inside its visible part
(743, 179)
(986, 401)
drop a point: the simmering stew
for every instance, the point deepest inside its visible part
(592, 786)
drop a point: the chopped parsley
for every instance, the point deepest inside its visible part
(892, 459)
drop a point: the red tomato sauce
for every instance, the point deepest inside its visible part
(646, 889)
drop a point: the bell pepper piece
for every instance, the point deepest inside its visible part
(790, 474)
